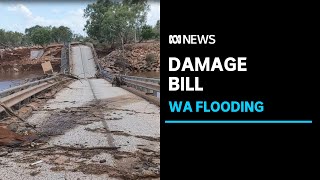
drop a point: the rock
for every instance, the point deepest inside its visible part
(136, 57)
(34, 173)
(33, 106)
(3, 154)
(156, 161)
(61, 160)
(148, 173)
(13, 127)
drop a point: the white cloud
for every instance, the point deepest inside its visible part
(73, 19)
(76, 21)
(21, 9)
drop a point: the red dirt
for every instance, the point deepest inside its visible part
(21, 56)
(9, 138)
(18, 59)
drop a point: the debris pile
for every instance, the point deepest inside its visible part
(15, 131)
(15, 54)
(142, 162)
(20, 59)
(139, 57)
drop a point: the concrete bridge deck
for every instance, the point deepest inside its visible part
(90, 113)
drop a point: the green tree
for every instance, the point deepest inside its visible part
(3, 38)
(28, 31)
(61, 34)
(14, 38)
(35, 35)
(41, 36)
(94, 12)
(147, 32)
(139, 9)
(26, 40)
(156, 29)
(113, 22)
(77, 37)
(11, 39)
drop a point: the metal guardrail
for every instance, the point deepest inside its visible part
(15, 89)
(27, 80)
(152, 80)
(69, 57)
(64, 65)
(16, 95)
(148, 85)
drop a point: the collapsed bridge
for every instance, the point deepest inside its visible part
(87, 127)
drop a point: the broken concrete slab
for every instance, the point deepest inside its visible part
(36, 54)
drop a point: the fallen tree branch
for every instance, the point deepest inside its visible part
(69, 148)
(87, 148)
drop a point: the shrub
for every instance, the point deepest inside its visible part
(150, 58)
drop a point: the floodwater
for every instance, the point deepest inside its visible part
(10, 79)
(151, 74)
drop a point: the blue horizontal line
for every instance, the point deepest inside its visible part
(238, 122)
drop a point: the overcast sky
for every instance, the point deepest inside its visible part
(16, 16)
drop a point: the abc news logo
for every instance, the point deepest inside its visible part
(192, 39)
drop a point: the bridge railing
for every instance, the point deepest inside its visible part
(64, 65)
(137, 78)
(21, 94)
(15, 89)
(150, 86)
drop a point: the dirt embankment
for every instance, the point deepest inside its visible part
(138, 57)
(29, 58)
